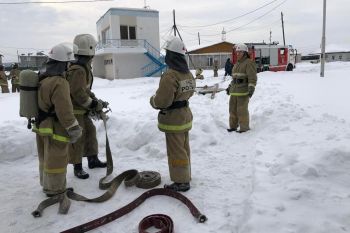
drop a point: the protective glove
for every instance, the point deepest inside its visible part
(251, 90)
(96, 105)
(104, 104)
(228, 90)
(74, 133)
(151, 101)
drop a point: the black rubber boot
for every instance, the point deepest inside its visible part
(178, 187)
(94, 162)
(79, 172)
(242, 131)
(231, 130)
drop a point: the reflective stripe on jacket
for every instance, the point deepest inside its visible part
(50, 132)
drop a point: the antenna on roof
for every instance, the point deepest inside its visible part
(145, 5)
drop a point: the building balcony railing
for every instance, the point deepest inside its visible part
(118, 43)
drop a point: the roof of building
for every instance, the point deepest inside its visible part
(143, 12)
(221, 47)
(335, 48)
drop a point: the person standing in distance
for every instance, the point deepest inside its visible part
(241, 89)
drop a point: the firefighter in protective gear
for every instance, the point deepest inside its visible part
(216, 68)
(56, 125)
(176, 86)
(3, 80)
(14, 75)
(241, 89)
(80, 81)
(199, 72)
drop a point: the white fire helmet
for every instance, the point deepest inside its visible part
(176, 45)
(241, 47)
(86, 44)
(62, 52)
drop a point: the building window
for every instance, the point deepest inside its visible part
(124, 33)
(333, 57)
(210, 61)
(108, 61)
(340, 57)
(127, 32)
(132, 33)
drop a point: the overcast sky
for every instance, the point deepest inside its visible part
(36, 27)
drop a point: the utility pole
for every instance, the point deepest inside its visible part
(177, 31)
(270, 46)
(284, 40)
(199, 39)
(174, 26)
(323, 49)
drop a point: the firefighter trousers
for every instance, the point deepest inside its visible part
(15, 87)
(87, 144)
(4, 89)
(179, 156)
(53, 160)
(239, 114)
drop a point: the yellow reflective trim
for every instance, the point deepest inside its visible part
(239, 94)
(175, 127)
(179, 162)
(49, 131)
(239, 74)
(60, 138)
(79, 111)
(55, 170)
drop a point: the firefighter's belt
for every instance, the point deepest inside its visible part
(42, 115)
(26, 88)
(238, 80)
(147, 179)
(148, 221)
(177, 104)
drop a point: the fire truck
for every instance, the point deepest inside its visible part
(271, 57)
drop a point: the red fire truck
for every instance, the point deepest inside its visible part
(272, 57)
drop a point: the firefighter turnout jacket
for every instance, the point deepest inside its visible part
(243, 75)
(80, 81)
(175, 88)
(54, 94)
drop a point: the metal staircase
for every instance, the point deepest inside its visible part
(157, 61)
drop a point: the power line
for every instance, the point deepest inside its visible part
(228, 20)
(54, 2)
(252, 21)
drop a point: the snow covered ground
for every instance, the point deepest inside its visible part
(289, 174)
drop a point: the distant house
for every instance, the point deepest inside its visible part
(204, 57)
(335, 53)
(33, 61)
(128, 44)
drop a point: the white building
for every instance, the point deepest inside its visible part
(128, 44)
